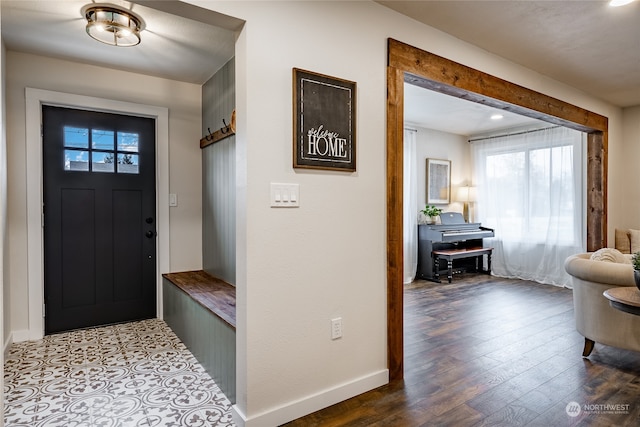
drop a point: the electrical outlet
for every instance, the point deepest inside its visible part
(336, 328)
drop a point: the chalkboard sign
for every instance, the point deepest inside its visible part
(324, 134)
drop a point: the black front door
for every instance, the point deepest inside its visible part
(99, 218)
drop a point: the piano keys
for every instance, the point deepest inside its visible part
(452, 234)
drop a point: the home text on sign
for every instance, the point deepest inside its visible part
(322, 143)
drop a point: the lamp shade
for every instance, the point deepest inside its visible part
(466, 194)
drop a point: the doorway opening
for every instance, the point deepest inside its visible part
(412, 65)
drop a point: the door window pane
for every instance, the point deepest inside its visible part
(102, 150)
(76, 160)
(128, 142)
(76, 137)
(102, 139)
(127, 163)
(102, 162)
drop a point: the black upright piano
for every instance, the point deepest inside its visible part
(452, 245)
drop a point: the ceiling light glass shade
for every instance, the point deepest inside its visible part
(112, 25)
(616, 3)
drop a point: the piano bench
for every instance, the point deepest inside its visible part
(451, 254)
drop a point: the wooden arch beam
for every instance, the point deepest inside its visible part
(412, 65)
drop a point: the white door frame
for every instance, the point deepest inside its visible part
(35, 98)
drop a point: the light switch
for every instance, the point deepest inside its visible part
(285, 195)
(173, 200)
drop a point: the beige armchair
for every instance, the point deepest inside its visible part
(596, 320)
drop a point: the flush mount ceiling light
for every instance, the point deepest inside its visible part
(113, 25)
(617, 3)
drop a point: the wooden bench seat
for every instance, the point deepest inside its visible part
(450, 254)
(215, 295)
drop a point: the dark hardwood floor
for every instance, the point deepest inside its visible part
(485, 351)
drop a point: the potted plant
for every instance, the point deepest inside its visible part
(431, 212)
(636, 268)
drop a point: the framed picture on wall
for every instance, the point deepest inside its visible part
(438, 181)
(324, 118)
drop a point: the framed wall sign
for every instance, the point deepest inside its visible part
(438, 181)
(324, 117)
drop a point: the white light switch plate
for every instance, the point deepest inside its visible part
(285, 195)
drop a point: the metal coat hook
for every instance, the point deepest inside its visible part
(222, 133)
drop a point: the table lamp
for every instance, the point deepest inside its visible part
(466, 195)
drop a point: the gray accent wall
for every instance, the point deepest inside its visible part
(211, 340)
(219, 177)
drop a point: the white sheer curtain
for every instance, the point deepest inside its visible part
(410, 206)
(530, 192)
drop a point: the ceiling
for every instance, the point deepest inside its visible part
(432, 110)
(182, 46)
(584, 44)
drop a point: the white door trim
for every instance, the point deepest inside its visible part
(35, 98)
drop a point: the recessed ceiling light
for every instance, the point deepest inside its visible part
(497, 117)
(616, 3)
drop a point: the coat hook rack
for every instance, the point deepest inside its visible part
(224, 132)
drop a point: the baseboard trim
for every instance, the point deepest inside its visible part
(309, 404)
(20, 336)
(7, 344)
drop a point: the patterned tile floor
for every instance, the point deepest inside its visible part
(133, 374)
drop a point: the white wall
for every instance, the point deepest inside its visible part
(624, 196)
(298, 268)
(4, 301)
(184, 103)
(435, 144)
(304, 266)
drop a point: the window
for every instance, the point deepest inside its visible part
(537, 184)
(100, 150)
(530, 191)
